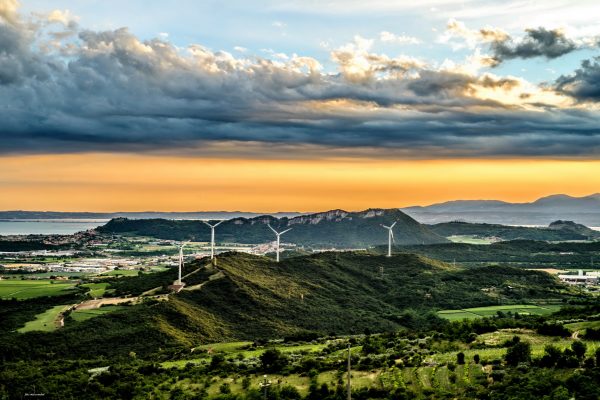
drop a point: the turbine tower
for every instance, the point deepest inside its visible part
(390, 237)
(212, 237)
(181, 261)
(278, 234)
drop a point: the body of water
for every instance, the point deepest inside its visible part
(48, 226)
(64, 226)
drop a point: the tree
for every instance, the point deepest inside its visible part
(460, 358)
(217, 361)
(476, 358)
(551, 356)
(273, 360)
(520, 352)
(225, 388)
(578, 348)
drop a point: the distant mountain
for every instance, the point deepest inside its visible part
(335, 228)
(204, 215)
(584, 210)
(556, 231)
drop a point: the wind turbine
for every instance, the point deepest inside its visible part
(278, 234)
(212, 237)
(390, 237)
(181, 261)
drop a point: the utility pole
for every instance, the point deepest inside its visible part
(349, 371)
(265, 385)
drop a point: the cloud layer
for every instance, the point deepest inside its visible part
(67, 89)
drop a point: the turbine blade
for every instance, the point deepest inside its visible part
(207, 223)
(395, 222)
(270, 227)
(386, 227)
(218, 223)
(287, 230)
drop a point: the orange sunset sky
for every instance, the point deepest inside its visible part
(120, 182)
(295, 106)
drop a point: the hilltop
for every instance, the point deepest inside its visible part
(251, 297)
(556, 231)
(335, 228)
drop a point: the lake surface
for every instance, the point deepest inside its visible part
(48, 226)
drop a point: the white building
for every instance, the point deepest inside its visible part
(580, 279)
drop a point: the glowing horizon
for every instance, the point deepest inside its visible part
(124, 182)
(286, 105)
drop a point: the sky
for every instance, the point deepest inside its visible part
(307, 105)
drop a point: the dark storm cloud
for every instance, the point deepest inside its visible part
(584, 84)
(109, 91)
(538, 42)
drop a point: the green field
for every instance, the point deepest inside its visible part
(469, 239)
(45, 321)
(46, 275)
(480, 312)
(538, 342)
(583, 325)
(96, 289)
(83, 315)
(27, 289)
(122, 272)
(235, 349)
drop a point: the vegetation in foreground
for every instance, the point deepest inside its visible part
(384, 308)
(501, 357)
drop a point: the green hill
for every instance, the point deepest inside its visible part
(336, 228)
(250, 297)
(523, 253)
(556, 231)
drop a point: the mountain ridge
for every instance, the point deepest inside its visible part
(334, 228)
(584, 210)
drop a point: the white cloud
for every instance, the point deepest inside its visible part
(399, 39)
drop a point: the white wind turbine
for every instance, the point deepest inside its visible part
(181, 261)
(390, 237)
(278, 234)
(212, 237)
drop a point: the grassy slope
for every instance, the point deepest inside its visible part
(341, 292)
(45, 322)
(326, 292)
(84, 315)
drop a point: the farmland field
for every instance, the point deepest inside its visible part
(122, 272)
(83, 315)
(583, 325)
(27, 289)
(480, 312)
(96, 289)
(45, 321)
(469, 239)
